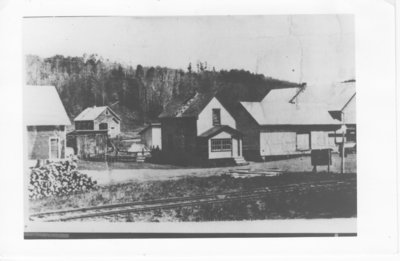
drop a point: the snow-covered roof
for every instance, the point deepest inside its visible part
(43, 107)
(91, 113)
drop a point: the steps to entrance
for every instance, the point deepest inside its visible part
(240, 161)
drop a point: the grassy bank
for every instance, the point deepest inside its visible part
(304, 204)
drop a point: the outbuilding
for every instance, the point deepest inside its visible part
(151, 135)
(89, 144)
(98, 118)
(45, 121)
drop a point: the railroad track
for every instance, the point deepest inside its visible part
(169, 203)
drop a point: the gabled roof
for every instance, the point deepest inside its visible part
(43, 107)
(187, 107)
(335, 96)
(309, 105)
(279, 108)
(91, 113)
(289, 114)
(341, 95)
(87, 132)
(218, 129)
(280, 96)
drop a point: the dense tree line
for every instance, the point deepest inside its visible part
(137, 94)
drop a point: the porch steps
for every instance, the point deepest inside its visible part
(240, 161)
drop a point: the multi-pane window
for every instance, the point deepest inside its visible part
(216, 117)
(221, 145)
(84, 125)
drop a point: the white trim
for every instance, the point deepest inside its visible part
(215, 97)
(65, 142)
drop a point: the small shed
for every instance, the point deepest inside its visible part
(88, 144)
(45, 121)
(151, 135)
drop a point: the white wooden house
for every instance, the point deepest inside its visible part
(200, 128)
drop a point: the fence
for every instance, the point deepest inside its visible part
(111, 158)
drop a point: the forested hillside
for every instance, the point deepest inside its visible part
(137, 94)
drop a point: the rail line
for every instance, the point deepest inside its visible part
(175, 202)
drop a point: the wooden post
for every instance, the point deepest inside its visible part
(329, 161)
(342, 149)
(105, 154)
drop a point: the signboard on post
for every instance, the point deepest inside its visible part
(321, 157)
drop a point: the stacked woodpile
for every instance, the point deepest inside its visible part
(58, 179)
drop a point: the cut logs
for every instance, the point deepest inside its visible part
(58, 179)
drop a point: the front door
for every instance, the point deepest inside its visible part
(234, 147)
(54, 148)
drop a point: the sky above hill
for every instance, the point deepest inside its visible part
(300, 48)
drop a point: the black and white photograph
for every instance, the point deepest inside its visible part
(199, 130)
(190, 119)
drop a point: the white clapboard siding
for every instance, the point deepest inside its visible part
(204, 121)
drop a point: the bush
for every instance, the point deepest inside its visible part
(58, 179)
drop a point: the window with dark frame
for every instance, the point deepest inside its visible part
(216, 117)
(84, 125)
(218, 145)
(103, 126)
(351, 135)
